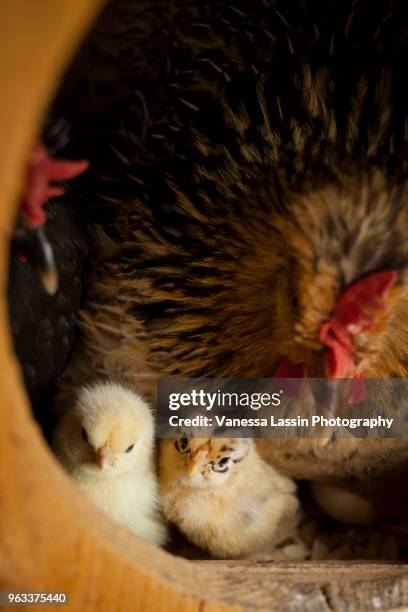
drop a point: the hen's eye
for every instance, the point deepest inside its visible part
(84, 435)
(182, 443)
(129, 448)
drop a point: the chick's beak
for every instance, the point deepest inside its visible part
(192, 466)
(103, 458)
(197, 462)
(33, 246)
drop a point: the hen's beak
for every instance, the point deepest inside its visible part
(104, 458)
(32, 245)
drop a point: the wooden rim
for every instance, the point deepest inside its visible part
(51, 537)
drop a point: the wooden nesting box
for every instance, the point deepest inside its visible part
(50, 537)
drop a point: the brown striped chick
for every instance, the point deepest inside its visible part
(223, 497)
(105, 442)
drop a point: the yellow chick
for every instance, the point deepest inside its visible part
(105, 442)
(223, 496)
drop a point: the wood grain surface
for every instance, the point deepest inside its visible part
(51, 537)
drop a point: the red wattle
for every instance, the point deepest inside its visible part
(288, 369)
(358, 390)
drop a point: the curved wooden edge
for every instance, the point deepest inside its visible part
(51, 537)
(347, 586)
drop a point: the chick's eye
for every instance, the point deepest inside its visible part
(129, 448)
(182, 443)
(84, 435)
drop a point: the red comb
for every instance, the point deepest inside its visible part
(358, 309)
(42, 169)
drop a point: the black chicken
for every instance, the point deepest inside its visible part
(46, 272)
